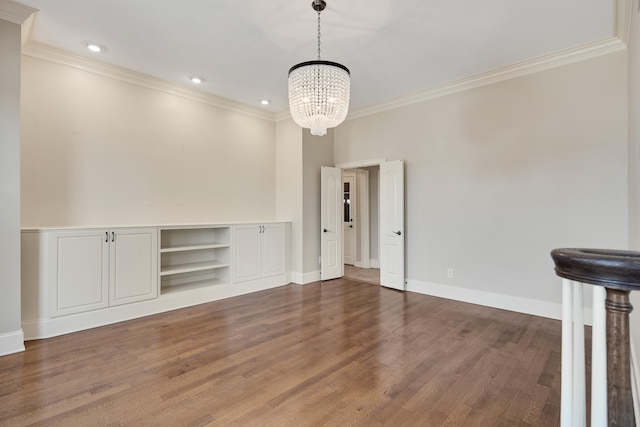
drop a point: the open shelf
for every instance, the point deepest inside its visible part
(192, 286)
(194, 258)
(191, 267)
(181, 248)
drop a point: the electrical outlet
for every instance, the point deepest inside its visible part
(450, 273)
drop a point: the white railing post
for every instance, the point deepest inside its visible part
(599, 359)
(614, 274)
(573, 397)
(579, 380)
(566, 396)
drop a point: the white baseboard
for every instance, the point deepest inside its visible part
(506, 302)
(305, 278)
(11, 342)
(54, 326)
(374, 263)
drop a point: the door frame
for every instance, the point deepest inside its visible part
(361, 217)
(364, 241)
(353, 212)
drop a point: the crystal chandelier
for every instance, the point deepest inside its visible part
(319, 90)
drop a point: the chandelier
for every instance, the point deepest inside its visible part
(319, 90)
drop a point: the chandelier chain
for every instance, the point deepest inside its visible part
(318, 35)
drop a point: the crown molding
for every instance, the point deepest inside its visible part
(15, 12)
(569, 56)
(59, 56)
(622, 10)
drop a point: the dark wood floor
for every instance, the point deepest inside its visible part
(334, 353)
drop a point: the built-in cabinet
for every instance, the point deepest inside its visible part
(259, 251)
(133, 265)
(95, 268)
(74, 279)
(78, 271)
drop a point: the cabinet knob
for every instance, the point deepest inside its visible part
(106, 239)
(398, 232)
(325, 230)
(113, 236)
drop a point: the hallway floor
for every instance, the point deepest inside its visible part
(368, 275)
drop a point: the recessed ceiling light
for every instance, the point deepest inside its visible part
(95, 47)
(197, 80)
(265, 102)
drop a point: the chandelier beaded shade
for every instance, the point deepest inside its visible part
(319, 90)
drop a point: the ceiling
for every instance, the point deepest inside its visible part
(393, 48)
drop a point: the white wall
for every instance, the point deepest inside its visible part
(634, 167)
(498, 176)
(289, 189)
(299, 156)
(100, 151)
(11, 337)
(317, 152)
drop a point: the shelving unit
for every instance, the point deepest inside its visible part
(194, 258)
(79, 278)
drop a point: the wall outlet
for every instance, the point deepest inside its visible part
(450, 273)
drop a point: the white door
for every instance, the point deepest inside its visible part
(392, 224)
(348, 182)
(331, 266)
(273, 250)
(246, 249)
(133, 265)
(79, 271)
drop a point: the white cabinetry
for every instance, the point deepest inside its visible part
(194, 258)
(75, 279)
(79, 271)
(133, 265)
(90, 269)
(259, 251)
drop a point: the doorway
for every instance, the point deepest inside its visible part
(349, 206)
(390, 230)
(361, 224)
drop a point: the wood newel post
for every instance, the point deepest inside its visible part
(620, 402)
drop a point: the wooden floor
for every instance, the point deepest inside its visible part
(368, 275)
(334, 353)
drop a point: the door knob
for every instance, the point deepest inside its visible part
(350, 225)
(398, 232)
(325, 230)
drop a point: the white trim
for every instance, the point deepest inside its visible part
(374, 263)
(305, 278)
(547, 309)
(27, 28)
(622, 19)
(361, 163)
(569, 56)
(59, 56)
(11, 342)
(54, 326)
(283, 115)
(15, 12)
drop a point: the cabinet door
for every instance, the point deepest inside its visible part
(133, 265)
(78, 271)
(246, 250)
(273, 250)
